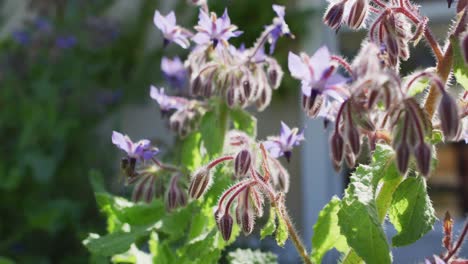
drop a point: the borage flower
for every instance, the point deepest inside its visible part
(283, 145)
(140, 150)
(213, 30)
(319, 80)
(171, 31)
(165, 101)
(278, 28)
(174, 71)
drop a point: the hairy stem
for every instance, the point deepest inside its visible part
(293, 233)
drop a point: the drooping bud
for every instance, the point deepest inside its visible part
(402, 157)
(353, 139)
(448, 113)
(275, 74)
(144, 189)
(230, 97)
(257, 201)
(357, 14)
(334, 15)
(422, 153)
(350, 159)
(464, 45)
(244, 213)
(200, 182)
(247, 88)
(175, 196)
(242, 163)
(196, 87)
(336, 142)
(225, 225)
(264, 100)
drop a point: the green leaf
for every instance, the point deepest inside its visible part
(327, 232)
(411, 212)
(281, 230)
(212, 133)
(114, 243)
(133, 255)
(359, 222)
(161, 251)
(270, 226)
(191, 157)
(176, 223)
(242, 256)
(4, 260)
(460, 69)
(244, 121)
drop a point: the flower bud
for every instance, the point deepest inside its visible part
(334, 15)
(175, 197)
(350, 159)
(336, 142)
(464, 44)
(201, 180)
(144, 189)
(275, 74)
(242, 163)
(354, 139)
(246, 219)
(230, 97)
(247, 88)
(357, 14)
(422, 153)
(225, 226)
(196, 87)
(448, 114)
(402, 157)
(264, 100)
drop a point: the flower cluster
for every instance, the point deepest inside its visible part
(216, 69)
(375, 102)
(141, 167)
(259, 174)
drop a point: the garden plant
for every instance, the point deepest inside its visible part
(188, 205)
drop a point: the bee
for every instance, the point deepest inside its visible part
(127, 165)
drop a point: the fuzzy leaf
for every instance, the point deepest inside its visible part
(327, 232)
(359, 222)
(460, 69)
(270, 226)
(241, 256)
(244, 121)
(212, 133)
(281, 230)
(190, 151)
(115, 243)
(411, 212)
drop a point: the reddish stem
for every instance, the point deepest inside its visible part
(343, 63)
(459, 243)
(218, 161)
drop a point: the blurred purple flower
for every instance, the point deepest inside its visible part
(43, 25)
(165, 101)
(278, 28)
(21, 37)
(139, 150)
(174, 71)
(317, 74)
(212, 30)
(171, 32)
(66, 42)
(283, 145)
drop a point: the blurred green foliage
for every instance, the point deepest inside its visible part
(60, 77)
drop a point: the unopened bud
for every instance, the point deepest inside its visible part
(225, 226)
(247, 89)
(196, 87)
(334, 15)
(357, 14)
(176, 197)
(402, 157)
(448, 114)
(422, 153)
(144, 189)
(464, 43)
(336, 142)
(230, 97)
(354, 139)
(200, 182)
(350, 159)
(275, 74)
(264, 100)
(242, 163)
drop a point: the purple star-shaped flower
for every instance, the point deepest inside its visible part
(283, 145)
(278, 28)
(317, 74)
(141, 150)
(213, 30)
(171, 32)
(165, 101)
(174, 71)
